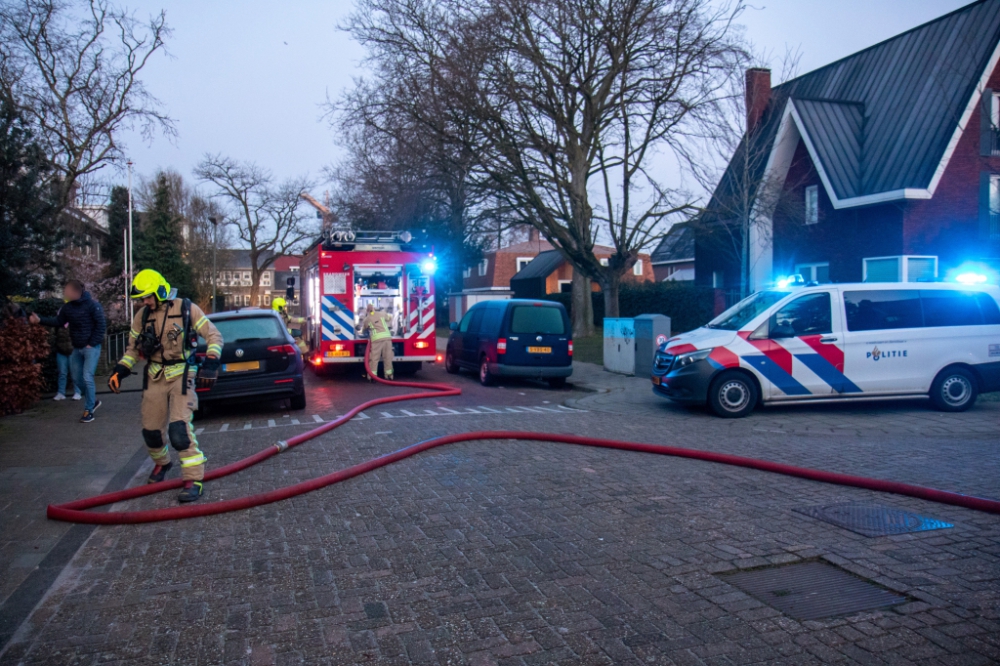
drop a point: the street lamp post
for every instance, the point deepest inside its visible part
(215, 247)
(130, 267)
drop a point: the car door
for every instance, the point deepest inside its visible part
(886, 347)
(801, 353)
(470, 337)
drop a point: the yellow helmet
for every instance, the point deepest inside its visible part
(278, 304)
(150, 283)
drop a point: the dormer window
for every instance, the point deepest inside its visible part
(812, 204)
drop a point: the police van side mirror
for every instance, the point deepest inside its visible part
(453, 325)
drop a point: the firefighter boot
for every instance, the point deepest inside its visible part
(159, 473)
(192, 491)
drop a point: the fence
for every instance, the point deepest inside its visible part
(114, 349)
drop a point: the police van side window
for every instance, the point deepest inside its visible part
(989, 308)
(883, 309)
(950, 308)
(808, 315)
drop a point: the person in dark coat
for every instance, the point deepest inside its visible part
(87, 326)
(64, 350)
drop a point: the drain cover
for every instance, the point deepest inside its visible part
(872, 519)
(812, 590)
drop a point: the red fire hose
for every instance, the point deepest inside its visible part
(75, 512)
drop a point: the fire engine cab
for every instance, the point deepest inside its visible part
(344, 272)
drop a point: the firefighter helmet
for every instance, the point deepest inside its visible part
(150, 283)
(278, 304)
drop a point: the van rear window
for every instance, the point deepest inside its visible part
(950, 308)
(886, 309)
(537, 319)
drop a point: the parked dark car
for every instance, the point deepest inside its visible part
(259, 359)
(513, 338)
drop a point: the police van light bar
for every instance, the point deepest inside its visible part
(971, 278)
(791, 281)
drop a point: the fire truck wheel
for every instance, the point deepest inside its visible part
(450, 366)
(485, 376)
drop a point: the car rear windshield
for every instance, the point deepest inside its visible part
(249, 328)
(537, 319)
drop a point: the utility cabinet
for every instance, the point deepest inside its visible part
(619, 345)
(651, 330)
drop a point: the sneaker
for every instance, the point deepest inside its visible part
(77, 396)
(192, 491)
(87, 417)
(159, 473)
(59, 396)
(99, 403)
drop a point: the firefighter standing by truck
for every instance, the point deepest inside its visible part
(378, 324)
(280, 306)
(165, 333)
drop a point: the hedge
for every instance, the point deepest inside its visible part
(687, 305)
(21, 382)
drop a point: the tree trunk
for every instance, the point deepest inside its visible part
(610, 286)
(583, 306)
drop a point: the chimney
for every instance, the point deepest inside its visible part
(758, 94)
(533, 234)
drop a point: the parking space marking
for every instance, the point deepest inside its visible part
(405, 414)
(199, 431)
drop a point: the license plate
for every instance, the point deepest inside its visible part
(338, 353)
(539, 350)
(241, 367)
(656, 380)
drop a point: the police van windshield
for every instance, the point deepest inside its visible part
(743, 312)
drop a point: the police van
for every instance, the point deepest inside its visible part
(827, 343)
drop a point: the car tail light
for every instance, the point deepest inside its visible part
(502, 346)
(570, 347)
(282, 349)
(283, 381)
(202, 390)
(421, 344)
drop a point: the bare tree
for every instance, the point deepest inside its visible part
(266, 217)
(74, 69)
(568, 96)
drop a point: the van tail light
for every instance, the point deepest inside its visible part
(421, 344)
(570, 347)
(282, 349)
(502, 346)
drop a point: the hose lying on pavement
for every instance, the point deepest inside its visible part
(75, 512)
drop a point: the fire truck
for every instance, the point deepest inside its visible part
(344, 272)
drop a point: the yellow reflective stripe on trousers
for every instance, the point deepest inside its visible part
(158, 453)
(192, 461)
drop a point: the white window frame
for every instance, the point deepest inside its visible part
(994, 194)
(995, 110)
(265, 279)
(246, 300)
(521, 262)
(718, 280)
(812, 270)
(904, 265)
(484, 267)
(812, 204)
(246, 275)
(604, 261)
(637, 268)
(467, 273)
(562, 282)
(267, 299)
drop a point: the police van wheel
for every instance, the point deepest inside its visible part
(954, 390)
(485, 376)
(732, 395)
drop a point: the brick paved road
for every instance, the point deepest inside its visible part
(529, 553)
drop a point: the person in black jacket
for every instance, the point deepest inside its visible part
(86, 330)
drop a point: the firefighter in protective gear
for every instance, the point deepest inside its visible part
(165, 333)
(280, 306)
(378, 324)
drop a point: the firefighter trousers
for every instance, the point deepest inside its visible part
(166, 417)
(382, 351)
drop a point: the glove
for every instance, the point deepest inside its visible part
(208, 373)
(115, 380)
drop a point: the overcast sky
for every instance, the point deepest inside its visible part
(248, 78)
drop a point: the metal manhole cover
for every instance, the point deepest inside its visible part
(872, 519)
(812, 590)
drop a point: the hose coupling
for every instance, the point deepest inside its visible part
(282, 446)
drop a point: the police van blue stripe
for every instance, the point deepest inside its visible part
(829, 374)
(776, 375)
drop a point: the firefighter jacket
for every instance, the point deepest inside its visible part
(378, 325)
(166, 323)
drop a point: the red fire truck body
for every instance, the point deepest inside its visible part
(340, 277)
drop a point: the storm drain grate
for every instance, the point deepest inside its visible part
(812, 590)
(872, 519)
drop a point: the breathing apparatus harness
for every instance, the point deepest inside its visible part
(150, 343)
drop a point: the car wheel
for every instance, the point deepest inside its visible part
(557, 382)
(954, 390)
(485, 376)
(299, 401)
(732, 395)
(450, 366)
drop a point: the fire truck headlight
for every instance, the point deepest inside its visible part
(428, 267)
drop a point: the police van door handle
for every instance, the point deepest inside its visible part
(828, 340)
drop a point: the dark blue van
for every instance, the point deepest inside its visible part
(513, 338)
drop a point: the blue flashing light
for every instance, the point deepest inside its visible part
(971, 278)
(973, 273)
(428, 267)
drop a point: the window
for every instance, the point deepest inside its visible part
(717, 280)
(814, 272)
(950, 308)
(883, 309)
(812, 204)
(637, 268)
(246, 299)
(246, 275)
(808, 315)
(746, 310)
(565, 286)
(483, 266)
(466, 320)
(267, 299)
(538, 320)
(294, 269)
(522, 262)
(900, 269)
(993, 231)
(467, 273)
(474, 321)
(604, 261)
(265, 279)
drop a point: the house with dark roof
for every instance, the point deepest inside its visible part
(673, 258)
(234, 283)
(881, 166)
